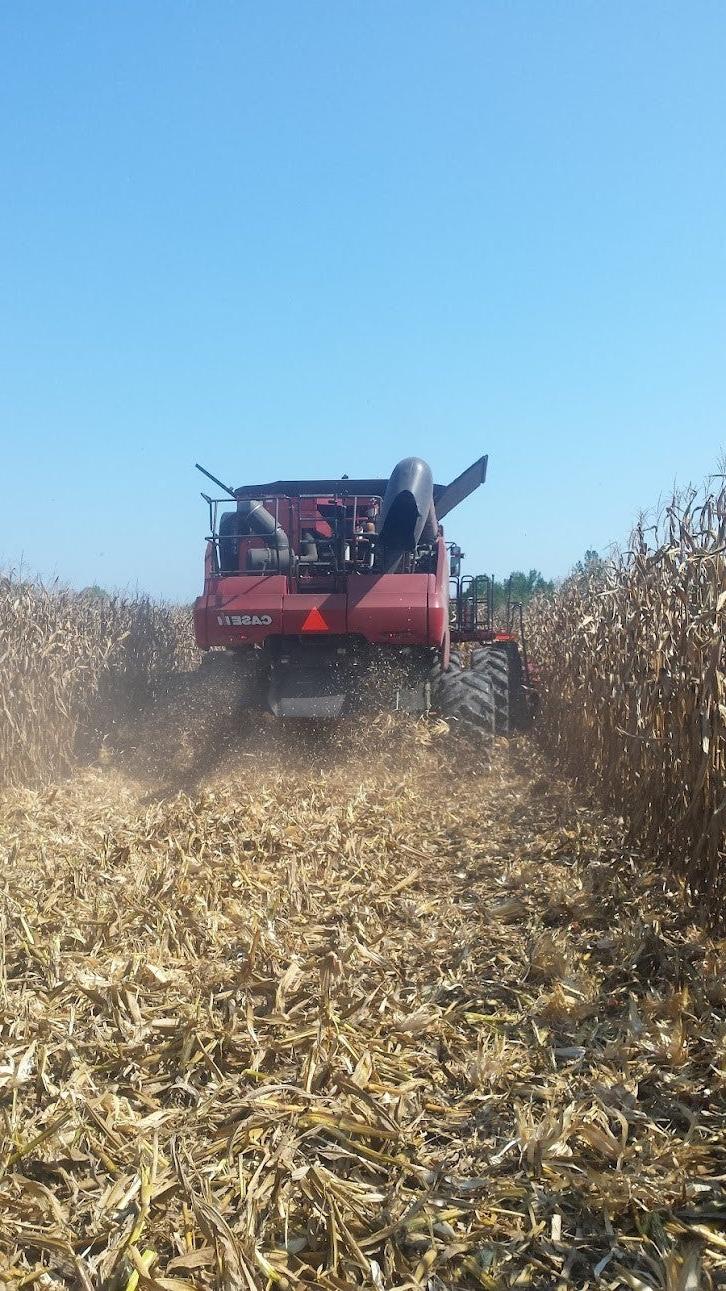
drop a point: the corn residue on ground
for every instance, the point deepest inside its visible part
(368, 1015)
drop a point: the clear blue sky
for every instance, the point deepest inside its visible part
(307, 238)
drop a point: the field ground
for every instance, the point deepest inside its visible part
(360, 1015)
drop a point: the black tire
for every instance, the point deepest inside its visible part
(445, 685)
(502, 664)
(464, 698)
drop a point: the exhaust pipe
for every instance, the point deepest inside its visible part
(251, 517)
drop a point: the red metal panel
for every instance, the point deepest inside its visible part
(439, 597)
(394, 609)
(244, 608)
(297, 609)
(389, 607)
(438, 616)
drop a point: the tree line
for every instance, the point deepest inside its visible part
(520, 586)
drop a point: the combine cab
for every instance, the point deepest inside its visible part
(336, 596)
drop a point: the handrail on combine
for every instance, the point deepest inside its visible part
(471, 606)
(351, 546)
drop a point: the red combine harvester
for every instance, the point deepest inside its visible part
(335, 596)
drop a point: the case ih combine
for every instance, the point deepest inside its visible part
(335, 596)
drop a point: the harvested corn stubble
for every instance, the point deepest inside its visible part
(327, 1021)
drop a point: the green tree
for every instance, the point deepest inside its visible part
(520, 586)
(517, 587)
(592, 566)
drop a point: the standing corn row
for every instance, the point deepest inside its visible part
(633, 666)
(71, 663)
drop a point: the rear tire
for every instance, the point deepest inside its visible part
(492, 665)
(465, 698)
(502, 665)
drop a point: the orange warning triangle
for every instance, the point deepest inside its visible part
(315, 622)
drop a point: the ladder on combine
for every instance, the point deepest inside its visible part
(472, 615)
